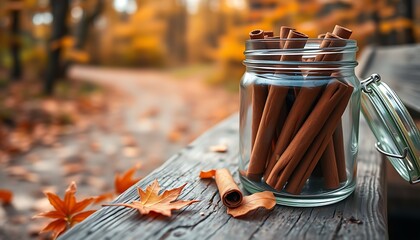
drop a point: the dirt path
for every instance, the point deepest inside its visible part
(153, 115)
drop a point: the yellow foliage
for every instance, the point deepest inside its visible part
(146, 42)
(65, 41)
(77, 56)
(394, 24)
(123, 31)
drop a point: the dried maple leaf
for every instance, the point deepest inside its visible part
(264, 199)
(67, 212)
(126, 180)
(151, 201)
(6, 196)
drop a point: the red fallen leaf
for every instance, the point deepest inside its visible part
(126, 180)
(151, 201)
(250, 203)
(6, 196)
(67, 212)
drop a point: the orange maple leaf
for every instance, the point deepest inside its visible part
(151, 201)
(67, 212)
(121, 184)
(126, 180)
(6, 196)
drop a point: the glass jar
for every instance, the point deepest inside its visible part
(299, 121)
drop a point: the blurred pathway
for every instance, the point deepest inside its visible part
(153, 115)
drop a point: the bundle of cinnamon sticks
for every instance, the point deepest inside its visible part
(291, 139)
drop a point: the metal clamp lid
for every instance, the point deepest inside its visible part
(397, 135)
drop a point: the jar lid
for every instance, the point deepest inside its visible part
(397, 134)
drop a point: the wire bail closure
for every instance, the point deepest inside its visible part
(371, 79)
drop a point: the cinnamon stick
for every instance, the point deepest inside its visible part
(307, 165)
(306, 135)
(268, 34)
(229, 192)
(271, 114)
(305, 101)
(259, 92)
(338, 137)
(329, 167)
(338, 140)
(284, 33)
(298, 113)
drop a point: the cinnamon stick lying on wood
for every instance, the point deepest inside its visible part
(229, 192)
(270, 117)
(305, 136)
(307, 165)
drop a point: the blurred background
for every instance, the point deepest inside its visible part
(130, 82)
(174, 33)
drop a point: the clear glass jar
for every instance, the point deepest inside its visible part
(299, 120)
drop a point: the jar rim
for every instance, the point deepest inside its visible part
(253, 47)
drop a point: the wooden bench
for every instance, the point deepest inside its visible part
(363, 215)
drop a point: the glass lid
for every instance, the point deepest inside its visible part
(397, 134)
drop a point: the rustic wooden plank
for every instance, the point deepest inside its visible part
(208, 218)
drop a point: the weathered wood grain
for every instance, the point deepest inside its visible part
(208, 218)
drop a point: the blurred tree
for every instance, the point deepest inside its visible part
(176, 34)
(15, 8)
(79, 53)
(59, 9)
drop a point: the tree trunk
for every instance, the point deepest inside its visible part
(16, 71)
(59, 10)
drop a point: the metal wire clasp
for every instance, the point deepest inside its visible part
(365, 83)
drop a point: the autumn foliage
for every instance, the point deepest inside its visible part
(67, 212)
(124, 181)
(152, 202)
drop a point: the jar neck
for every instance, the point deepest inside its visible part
(264, 56)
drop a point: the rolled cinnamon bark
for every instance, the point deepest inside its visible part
(342, 32)
(259, 92)
(284, 33)
(268, 34)
(304, 102)
(338, 137)
(271, 114)
(338, 140)
(300, 110)
(329, 167)
(306, 135)
(229, 192)
(306, 166)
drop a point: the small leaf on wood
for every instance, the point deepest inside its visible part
(208, 174)
(221, 148)
(126, 180)
(250, 203)
(151, 201)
